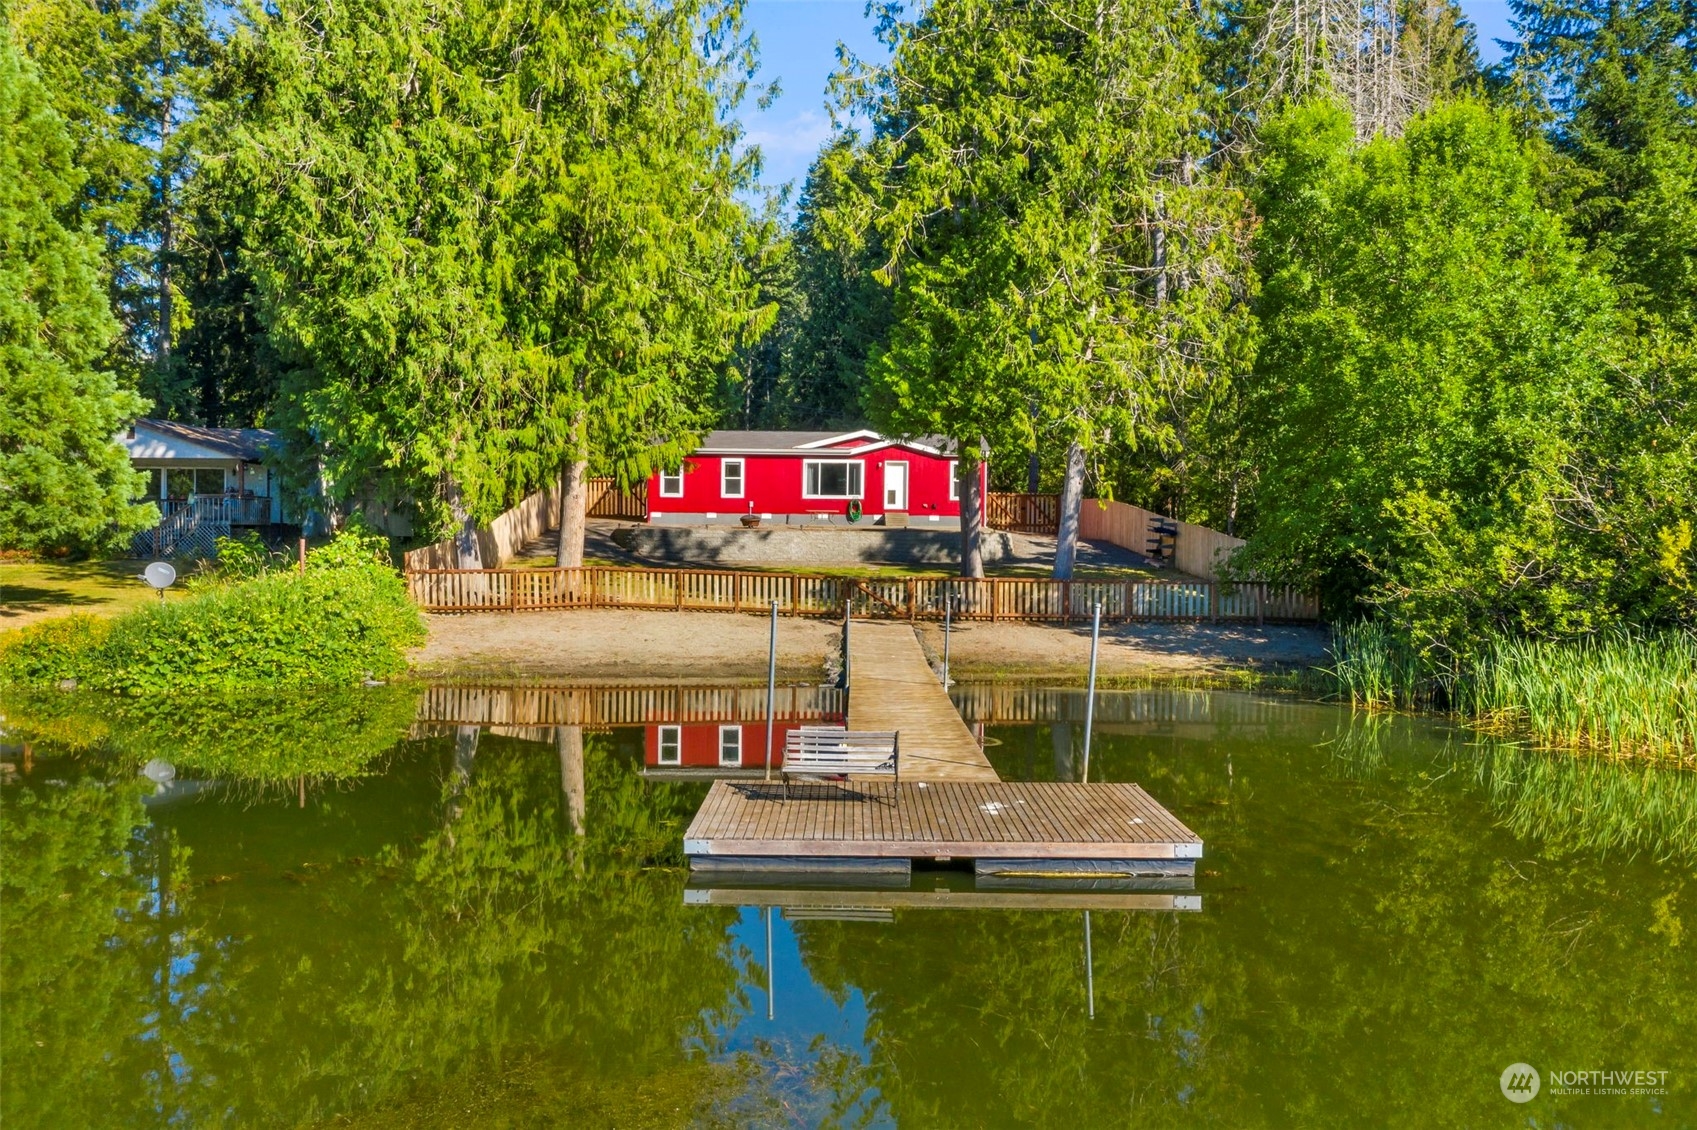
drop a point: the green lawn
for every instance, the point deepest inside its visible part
(36, 590)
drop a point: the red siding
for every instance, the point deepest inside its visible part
(701, 744)
(773, 483)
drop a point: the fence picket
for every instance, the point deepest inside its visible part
(911, 598)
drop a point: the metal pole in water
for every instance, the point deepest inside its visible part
(1090, 700)
(771, 686)
(948, 627)
(769, 977)
(1089, 968)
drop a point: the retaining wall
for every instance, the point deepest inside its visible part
(735, 547)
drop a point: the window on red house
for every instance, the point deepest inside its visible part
(672, 483)
(730, 478)
(831, 478)
(730, 745)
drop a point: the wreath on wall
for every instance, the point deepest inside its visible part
(854, 510)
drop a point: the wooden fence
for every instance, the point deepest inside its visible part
(606, 500)
(906, 598)
(1023, 513)
(498, 542)
(1198, 550)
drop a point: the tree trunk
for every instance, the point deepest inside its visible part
(569, 741)
(1060, 739)
(1033, 473)
(465, 754)
(573, 516)
(971, 520)
(468, 554)
(162, 344)
(1072, 501)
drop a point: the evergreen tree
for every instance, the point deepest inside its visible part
(64, 481)
(129, 77)
(1064, 257)
(1617, 85)
(844, 312)
(494, 240)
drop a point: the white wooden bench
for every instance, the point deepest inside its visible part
(832, 751)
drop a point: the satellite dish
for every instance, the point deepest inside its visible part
(159, 574)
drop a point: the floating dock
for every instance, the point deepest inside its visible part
(948, 807)
(823, 903)
(1036, 828)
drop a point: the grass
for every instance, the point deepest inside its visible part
(31, 591)
(1619, 694)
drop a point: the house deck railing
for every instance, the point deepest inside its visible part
(238, 510)
(191, 527)
(905, 598)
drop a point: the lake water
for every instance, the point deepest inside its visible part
(337, 914)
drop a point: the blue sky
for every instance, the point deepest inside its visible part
(798, 48)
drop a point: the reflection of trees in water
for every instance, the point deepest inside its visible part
(255, 738)
(486, 943)
(982, 1018)
(105, 977)
(1571, 802)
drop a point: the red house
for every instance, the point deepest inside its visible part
(804, 478)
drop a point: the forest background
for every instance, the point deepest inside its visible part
(1420, 328)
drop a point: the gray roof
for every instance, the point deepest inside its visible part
(752, 442)
(247, 444)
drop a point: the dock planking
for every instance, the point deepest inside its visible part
(949, 804)
(892, 687)
(936, 820)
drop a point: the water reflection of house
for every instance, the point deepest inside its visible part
(715, 749)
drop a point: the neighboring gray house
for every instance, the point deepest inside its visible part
(207, 483)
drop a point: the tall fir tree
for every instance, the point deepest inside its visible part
(1064, 257)
(495, 240)
(65, 483)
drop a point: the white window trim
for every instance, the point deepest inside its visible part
(676, 734)
(954, 480)
(742, 478)
(860, 494)
(724, 731)
(678, 477)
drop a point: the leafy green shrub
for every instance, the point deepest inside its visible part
(66, 647)
(348, 615)
(240, 558)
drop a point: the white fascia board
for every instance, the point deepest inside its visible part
(864, 433)
(150, 446)
(905, 443)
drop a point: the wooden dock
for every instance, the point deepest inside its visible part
(892, 687)
(745, 826)
(949, 805)
(942, 899)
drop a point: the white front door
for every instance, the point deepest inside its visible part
(895, 486)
